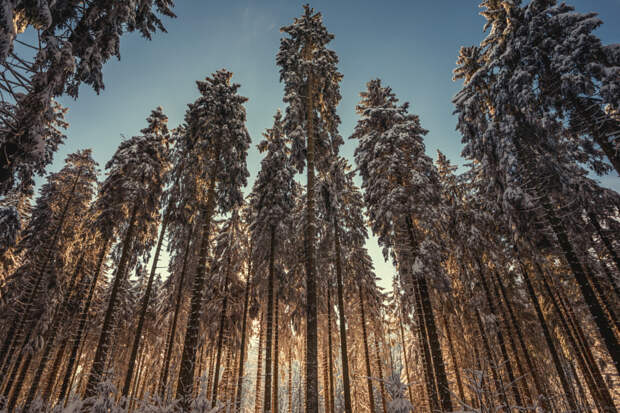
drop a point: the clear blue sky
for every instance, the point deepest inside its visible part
(411, 45)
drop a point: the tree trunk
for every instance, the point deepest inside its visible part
(554, 354)
(325, 379)
(455, 365)
(346, 384)
(101, 353)
(329, 351)
(268, 341)
(246, 302)
(380, 371)
(259, 366)
(371, 396)
(276, 353)
(290, 379)
(145, 304)
(427, 360)
(220, 335)
(53, 374)
(431, 329)
(404, 346)
(312, 385)
(188, 358)
(177, 307)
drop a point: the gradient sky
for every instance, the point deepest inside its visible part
(411, 45)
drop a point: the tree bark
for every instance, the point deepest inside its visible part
(457, 373)
(246, 302)
(312, 385)
(220, 335)
(188, 358)
(329, 350)
(145, 303)
(346, 384)
(177, 307)
(259, 366)
(371, 396)
(276, 353)
(101, 353)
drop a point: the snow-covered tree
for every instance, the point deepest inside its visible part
(128, 204)
(401, 191)
(311, 90)
(272, 200)
(513, 116)
(72, 43)
(217, 141)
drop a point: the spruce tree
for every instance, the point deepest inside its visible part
(128, 204)
(217, 141)
(308, 70)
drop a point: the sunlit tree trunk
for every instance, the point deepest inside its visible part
(190, 343)
(101, 353)
(242, 350)
(177, 307)
(344, 356)
(269, 337)
(371, 396)
(145, 303)
(259, 366)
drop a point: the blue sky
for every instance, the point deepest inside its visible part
(411, 45)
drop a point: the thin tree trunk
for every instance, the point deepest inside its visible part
(276, 353)
(404, 346)
(290, 379)
(259, 366)
(344, 356)
(455, 365)
(53, 374)
(101, 353)
(145, 304)
(431, 328)
(220, 336)
(312, 385)
(188, 358)
(499, 386)
(329, 351)
(268, 341)
(246, 302)
(380, 371)
(371, 396)
(177, 307)
(427, 360)
(325, 379)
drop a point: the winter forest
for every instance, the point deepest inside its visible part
(171, 279)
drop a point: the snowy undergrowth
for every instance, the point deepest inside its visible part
(106, 402)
